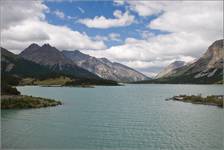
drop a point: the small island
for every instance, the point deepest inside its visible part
(12, 99)
(23, 101)
(215, 100)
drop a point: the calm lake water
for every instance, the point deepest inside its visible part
(124, 117)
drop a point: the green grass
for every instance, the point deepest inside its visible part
(50, 81)
(24, 102)
(216, 100)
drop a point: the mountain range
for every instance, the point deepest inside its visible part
(38, 63)
(51, 57)
(105, 68)
(42, 62)
(80, 64)
(15, 70)
(206, 70)
(169, 70)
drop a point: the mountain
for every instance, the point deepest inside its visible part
(15, 70)
(14, 65)
(170, 69)
(104, 68)
(207, 69)
(55, 60)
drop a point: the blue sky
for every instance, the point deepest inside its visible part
(89, 9)
(144, 35)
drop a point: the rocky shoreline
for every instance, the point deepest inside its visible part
(215, 100)
(25, 102)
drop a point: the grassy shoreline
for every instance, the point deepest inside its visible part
(214, 100)
(66, 81)
(25, 102)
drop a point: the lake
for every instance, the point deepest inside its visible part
(117, 118)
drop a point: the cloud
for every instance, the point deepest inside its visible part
(156, 48)
(199, 18)
(101, 38)
(13, 12)
(146, 34)
(102, 22)
(81, 10)
(191, 27)
(147, 8)
(114, 37)
(59, 14)
(118, 2)
(155, 52)
(110, 37)
(24, 24)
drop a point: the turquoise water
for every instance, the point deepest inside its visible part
(125, 117)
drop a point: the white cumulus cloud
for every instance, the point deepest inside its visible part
(121, 19)
(59, 14)
(114, 37)
(23, 23)
(191, 25)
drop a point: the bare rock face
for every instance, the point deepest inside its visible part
(6, 64)
(105, 68)
(77, 63)
(45, 55)
(210, 62)
(207, 67)
(53, 58)
(170, 69)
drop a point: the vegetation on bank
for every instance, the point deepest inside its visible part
(216, 100)
(91, 82)
(7, 89)
(16, 70)
(187, 79)
(61, 80)
(22, 102)
(11, 99)
(67, 81)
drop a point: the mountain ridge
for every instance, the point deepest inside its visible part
(51, 57)
(104, 67)
(207, 69)
(15, 70)
(170, 68)
(75, 60)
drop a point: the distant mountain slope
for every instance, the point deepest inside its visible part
(105, 68)
(206, 70)
(15, 69)
(51, 57)
(12, 64)
(169, 70)
(210, 65)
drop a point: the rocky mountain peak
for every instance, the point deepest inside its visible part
(104, 67)
(105, 60)
(177, 64)
(47, 45)
(34, 46)
(75, 55)
(30, 49)
(170, 68)
(46, 55)
(214, 55)
(207, 69)
(218, 43)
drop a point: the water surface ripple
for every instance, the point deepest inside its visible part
(117, 118)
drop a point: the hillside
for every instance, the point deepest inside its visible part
(52, 58)
(105, 68)
(17, 70)
(208, 69)
(168, 70)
